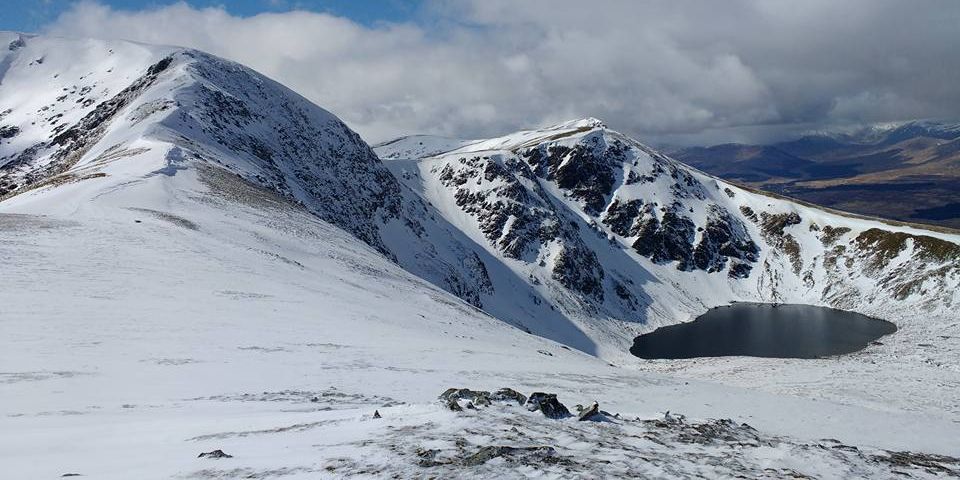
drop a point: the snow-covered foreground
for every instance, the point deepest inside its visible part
(135, 338)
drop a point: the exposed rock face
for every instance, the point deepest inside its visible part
(749, 213)
(296, 148)
(724, 237)
(622, 217)
(584, 169)
(576, 267)
(830, 235)
(518, 218)
(773, 226)
(934, 261)
(668, 239)
(511, 217)
(470, 281)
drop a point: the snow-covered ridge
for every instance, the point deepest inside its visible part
(417, 146)
(201, 108)
(420, 146)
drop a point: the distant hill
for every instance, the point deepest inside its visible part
(907, 171)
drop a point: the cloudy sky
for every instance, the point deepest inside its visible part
(690, 72)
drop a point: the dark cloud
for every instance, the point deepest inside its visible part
(680, 72)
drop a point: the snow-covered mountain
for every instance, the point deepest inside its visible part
(123, 103)
(199, 255)
(612, 232)
(891, 132)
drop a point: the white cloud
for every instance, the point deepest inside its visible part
(668, 71)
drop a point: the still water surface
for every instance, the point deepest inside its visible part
(764, 330)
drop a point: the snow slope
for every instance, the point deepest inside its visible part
(196, 258)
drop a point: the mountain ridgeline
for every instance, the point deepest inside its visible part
(573, 232)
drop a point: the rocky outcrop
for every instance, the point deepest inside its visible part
(520, 455)
(577, 268)
(622, 216)
(457, 399)
(512, 218)
(585, 170)
(589, 413)
(724, 237)
(215, 454)
(667, 239)
(772, 226)
(454, 398)
(509, 395)
(547, 404)
(8, 131)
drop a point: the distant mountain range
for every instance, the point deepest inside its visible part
(908, 171)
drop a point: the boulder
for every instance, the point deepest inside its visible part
(547, 404)
(476, 398)
(215, 454)
(509, 395)
(590, 412)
